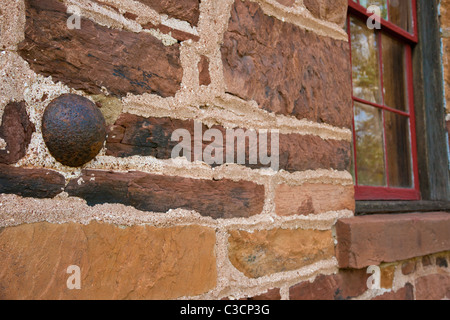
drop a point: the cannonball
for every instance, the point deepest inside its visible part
(73, 129)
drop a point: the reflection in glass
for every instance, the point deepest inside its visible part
(394, 73)
(370, 159)
(400, 13)
(365, 62)
(382, 4)
(398, 150)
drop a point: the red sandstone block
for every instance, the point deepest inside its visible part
(433, 287)
(16, 130)
(287, 69)
(405, 293)
(187, 10)
(96, 56)
(344, 285)
(134, 135)
(370, 240)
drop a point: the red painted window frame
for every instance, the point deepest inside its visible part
(409, 39)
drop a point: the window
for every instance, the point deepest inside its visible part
(384, 151)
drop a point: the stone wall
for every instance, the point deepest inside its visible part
(142, 225)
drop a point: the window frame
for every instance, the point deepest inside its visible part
(409, 40)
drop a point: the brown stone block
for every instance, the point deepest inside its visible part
(134, 135)
(36, 183)
(370, 240)
(342, 286)
(187, 10)
(286, 69)
(203, 69)
(308, 152)
(313, 199)
(115, 263)
(265, 252)
(159, 193)
(16, 130)
(95, 56)
(409, 267)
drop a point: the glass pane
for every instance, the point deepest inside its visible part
(365, 62)
(382, 4)
(394, 73)
(400, 13)
(370, 160)
(398, 148)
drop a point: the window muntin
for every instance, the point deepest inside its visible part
(384, 139)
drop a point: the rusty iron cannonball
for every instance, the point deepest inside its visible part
(74, 129)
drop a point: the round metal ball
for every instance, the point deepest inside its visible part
(74, 129)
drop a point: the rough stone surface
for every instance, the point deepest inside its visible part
(408, 267)
(272, 294)
(203, 69)
(133, 135)
(370, 240)
(313, 199)
(405, 293)
(330, 10)
(11, 24)
(299, 153)
(426, 261)
(286, 69)
(342, 286)
(73, 129)
(158, 193)
(16, 131)
(37, 183)
(96, 56)
(187, 10)
(265, 252)
(433, 287)
(115, 263)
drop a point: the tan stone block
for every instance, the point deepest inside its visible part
(313, 198)
(139, 262)
(265, 252)
(387, 276)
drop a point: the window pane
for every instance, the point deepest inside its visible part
(370, 160)
(400, 13)
(394, 73)
(382, 4)
(365, 62)
(398, 148)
